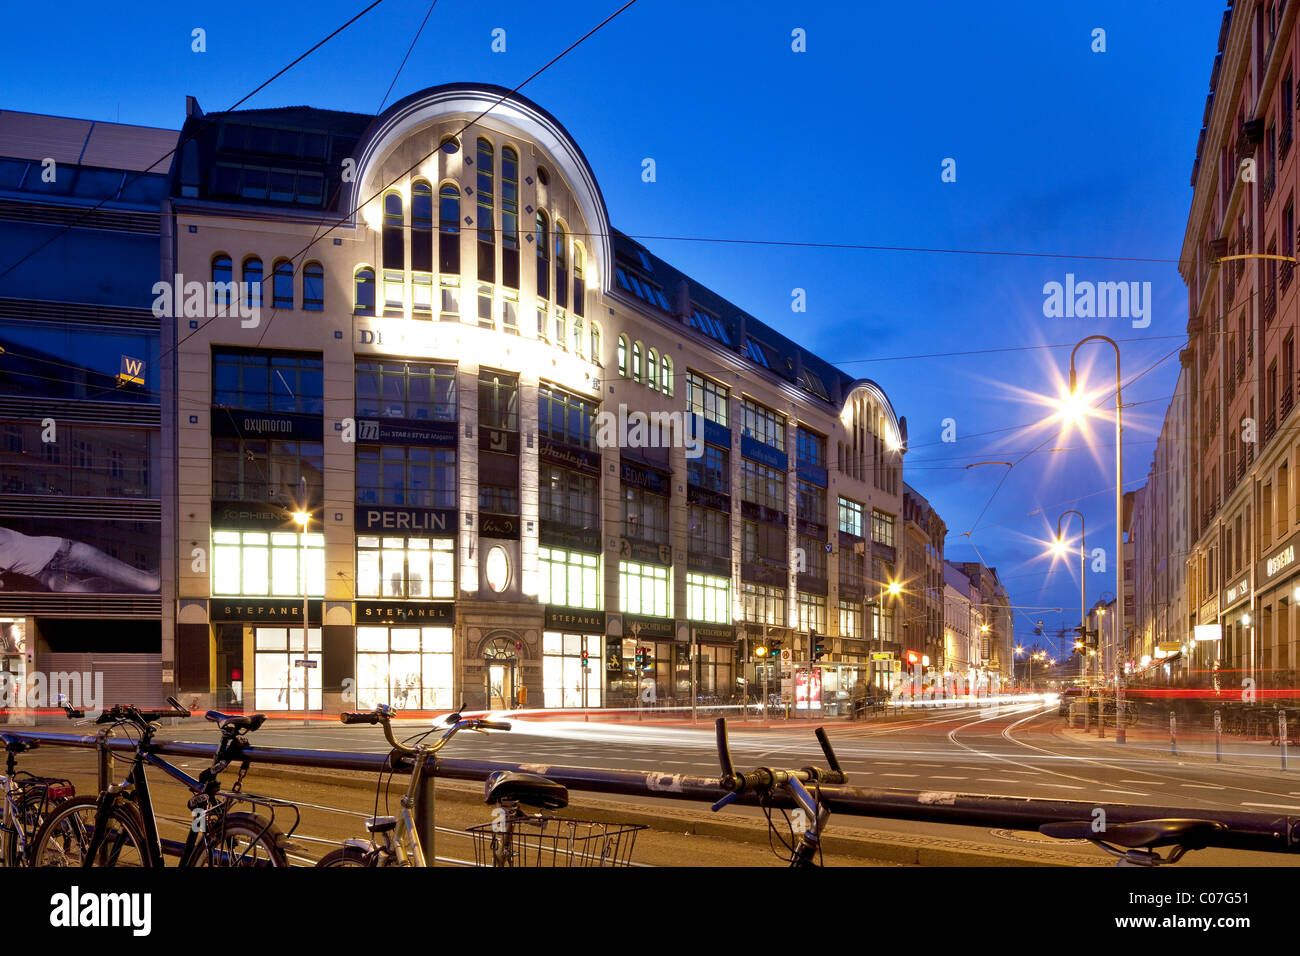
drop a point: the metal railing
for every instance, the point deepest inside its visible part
(1247, 830)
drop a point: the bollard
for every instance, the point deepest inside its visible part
(1218, 737)
(1281, 735)
(1101, 717)
(1087, 714)
(1173, 734)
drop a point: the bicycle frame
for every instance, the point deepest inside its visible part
(11, 827)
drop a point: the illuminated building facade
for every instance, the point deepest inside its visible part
(540, 464)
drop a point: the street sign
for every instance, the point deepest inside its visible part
(1170, 646)
(304, 663)
(882, 655)
(1207, 632)
(787, 655)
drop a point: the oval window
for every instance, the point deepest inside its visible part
(498, 569)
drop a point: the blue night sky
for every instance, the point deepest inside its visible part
(1058, 150)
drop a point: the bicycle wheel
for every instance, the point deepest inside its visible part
(240, 839)
(28, 808)
(346, 856)
(65, 837)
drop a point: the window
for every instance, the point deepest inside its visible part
(851, 619)
(709, 324)
(882, 528)
(763, 424)
(622, 356)
(421, 227)
(595, 345)
(283, 285)
(652, 369)
(498, 499)
(708, 532)
(566, 682)
(560, 324)
(498, 398)
(666, 375)
(253, 280)
(542, 317)
(851, 517)
(569, 579)
(414, 476)
(407, 667)
(561, 268)
(267, 381)
(485, 319)
(262, 470)
(564, 418)
(364, 297)
(577, 337)
(708, 598)
(706, 397)
(643, 589)
(313, 287)
(543, 255)
(814, 551)
(422, 295)
(509, 218)
(449, 230)
(711, 470)
(645, 515)
(274, 563)
(642, 288)
(222, 282)
(394, 227)
(510, 313)
(579, 287)
(568, 497)
(413, 390)
(636, 361)
(763, 605)
(762, 485)
(486, 225)
(400, 567)
(812, 613)
(810, 502)
(764, 544)
(810, 448)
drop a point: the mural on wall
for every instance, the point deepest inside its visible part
(93, 557)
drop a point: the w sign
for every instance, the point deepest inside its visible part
(132, 371)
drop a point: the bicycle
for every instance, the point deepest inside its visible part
(516, 837)
(394, 840)
(767, 783)
(1138, 843)
(27, 799)
(119, 827)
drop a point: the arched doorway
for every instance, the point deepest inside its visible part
(501, 672)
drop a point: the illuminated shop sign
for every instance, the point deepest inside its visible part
(381, 518)
(263, 611)
(1280, 563)
(564, 618)
(390, 612)
(393, 431)
(234, 423)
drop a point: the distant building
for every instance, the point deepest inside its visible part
(960, 623)
(923, 580)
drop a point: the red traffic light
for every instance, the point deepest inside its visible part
(913, 657)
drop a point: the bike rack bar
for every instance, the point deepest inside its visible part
(1259, 832)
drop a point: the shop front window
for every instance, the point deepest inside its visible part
(408, 668)
(281, 682)
(416, 568)
(565, 682)
(267, 563)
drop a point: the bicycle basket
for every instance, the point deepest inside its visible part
(547, 841)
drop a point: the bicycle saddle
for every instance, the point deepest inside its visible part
(1144, 834)
(249, 722)
(16, 745)
(527, 788)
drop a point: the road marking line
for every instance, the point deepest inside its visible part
(890, 763)
(937, 777)
(1202, 786)
(1271, 806)
(996, 780)
(897, 775)
(1131, 793)
(1146, 782)
(1067, 786)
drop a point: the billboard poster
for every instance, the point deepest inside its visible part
(79, 555)
(808, 689)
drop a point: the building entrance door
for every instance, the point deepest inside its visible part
(501, 686)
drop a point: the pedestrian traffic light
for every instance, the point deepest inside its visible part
(584, 660)
(647, 662)
(818, 645)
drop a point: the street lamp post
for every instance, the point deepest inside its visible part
(894, 588)
(1119, 510)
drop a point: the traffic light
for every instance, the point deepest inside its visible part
(647, 661)
(640, 657)
(584, 660)
(760, 651)
(817, 642)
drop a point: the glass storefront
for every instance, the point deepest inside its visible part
(279, 678)
(565, 682)
(408, 668)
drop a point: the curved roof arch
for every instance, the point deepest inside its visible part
(505, 107)
(870, 388)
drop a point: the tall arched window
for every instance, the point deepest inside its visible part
(636, 361)
(652, 369)
(364, 294)
(509, 218)
(394, 253)
(622, 356)
(253, 280)
(543, 256)
(421, 227)
(595, 344)
(282, 291)
(313, 287)
(486, 236)
(666, 375)
(449, 229)
(579, 287)
(561, 267)
(394, 221)
(222, 281)
(577, 337)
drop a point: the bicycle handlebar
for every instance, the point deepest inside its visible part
(383, 715)
(352, 717)
(768, 779)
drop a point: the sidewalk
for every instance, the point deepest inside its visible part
(1253, 753)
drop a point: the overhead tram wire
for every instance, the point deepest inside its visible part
(172, 152)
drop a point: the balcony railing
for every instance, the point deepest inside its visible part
(1270, 306)
(1270, 427)
(1288, 400)
(1241, 466)
(1270, 183)
(1284, 136)
(1288, 271)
